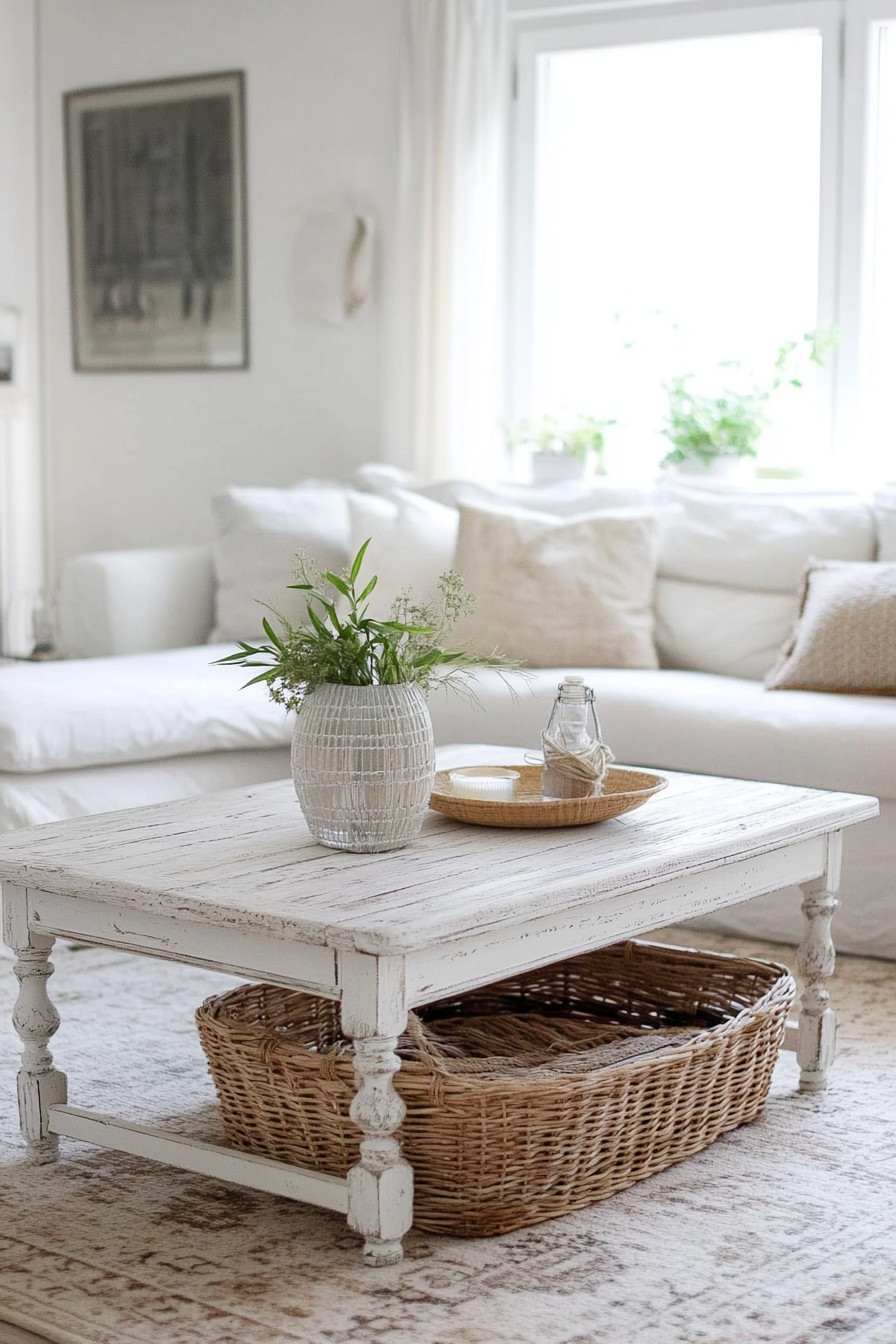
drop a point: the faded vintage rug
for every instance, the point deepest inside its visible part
(783, 1232)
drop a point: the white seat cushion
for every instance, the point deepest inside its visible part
(32, 800)
(136, 707)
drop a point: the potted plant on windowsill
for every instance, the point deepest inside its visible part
(717, 434)
(561, 448)
(363, 757)
(712, 434)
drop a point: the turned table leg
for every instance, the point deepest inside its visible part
(815, 963)
(381, 1186)
(35, 1020)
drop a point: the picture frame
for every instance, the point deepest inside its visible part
(156, 182)
(9, 352)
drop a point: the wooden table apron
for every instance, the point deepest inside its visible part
(234, 882)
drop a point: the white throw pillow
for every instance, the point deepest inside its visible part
(412, 541)
(762, 542)
(259, 530)
(571, 592)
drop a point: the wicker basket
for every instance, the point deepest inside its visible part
(519, 1107)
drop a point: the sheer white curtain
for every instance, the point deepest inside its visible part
(444, 393)
(22, 596)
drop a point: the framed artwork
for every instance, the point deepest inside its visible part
(157, 224)
(10, 373)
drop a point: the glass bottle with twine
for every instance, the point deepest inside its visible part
(575, 758)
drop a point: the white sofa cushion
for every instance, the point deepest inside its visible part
(135, 601)
(730, 631)
(760, 542)
(729, 570)
(31, 800)
(137, 707)
(412, 542)
(552, 590)
(698, 722)
(259, 530)
(565, 500)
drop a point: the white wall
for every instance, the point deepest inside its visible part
(134, 457)
(17, 155)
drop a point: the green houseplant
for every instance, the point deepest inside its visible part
(704, 429)
(561, 447)
(708, 429)
(363, 756)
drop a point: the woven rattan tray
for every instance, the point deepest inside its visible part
(513, 1114)
(623, 790)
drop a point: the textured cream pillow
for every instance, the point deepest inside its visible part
(559, 592)
(845, 638)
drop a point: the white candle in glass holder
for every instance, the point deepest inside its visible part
(489, 784)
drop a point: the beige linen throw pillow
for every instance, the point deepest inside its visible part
(845, 638)
(559, 592)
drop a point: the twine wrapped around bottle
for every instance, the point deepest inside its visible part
(589, 766)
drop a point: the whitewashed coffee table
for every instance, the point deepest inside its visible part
(233, 881)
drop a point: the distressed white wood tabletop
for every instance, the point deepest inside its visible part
(245, 859)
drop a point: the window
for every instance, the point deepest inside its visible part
(693, 190)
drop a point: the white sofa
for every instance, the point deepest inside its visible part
(151, 718)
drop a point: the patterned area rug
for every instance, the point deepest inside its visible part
(783, 1232)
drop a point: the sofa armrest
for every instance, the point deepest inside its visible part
(114, 602)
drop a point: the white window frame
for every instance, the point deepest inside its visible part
(564, 27)
(862, 20)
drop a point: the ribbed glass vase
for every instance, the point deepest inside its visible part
(363, 763)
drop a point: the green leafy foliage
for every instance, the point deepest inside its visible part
(549, 434)
(343, 645)
(702, 428)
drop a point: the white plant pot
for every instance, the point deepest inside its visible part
(552, 468)
(720, 468)
(363, 764)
